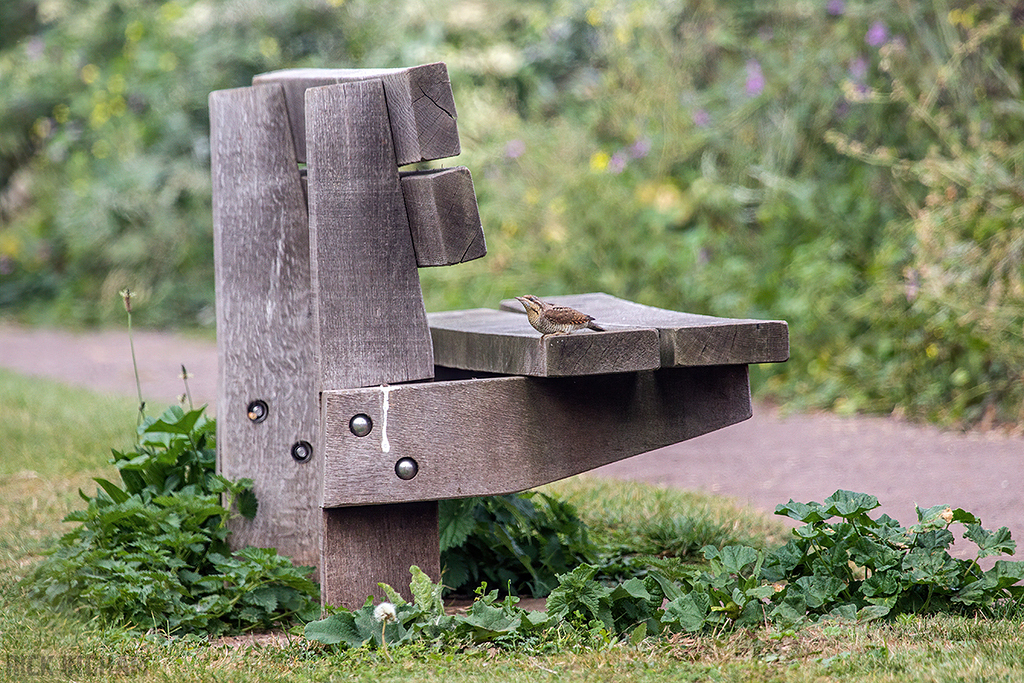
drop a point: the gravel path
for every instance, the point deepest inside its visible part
(761, 462)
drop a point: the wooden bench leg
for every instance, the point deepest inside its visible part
(364, 545)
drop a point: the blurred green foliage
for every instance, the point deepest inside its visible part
(853, 167)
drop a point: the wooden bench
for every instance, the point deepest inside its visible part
(352, 409)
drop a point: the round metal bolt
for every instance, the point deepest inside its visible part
(360, 424)
(406, 468)
(257, 411)
(302, 451)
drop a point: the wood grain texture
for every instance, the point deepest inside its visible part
(687, 340)
(368, 317)
(364, 546)
(443, 216)
(264, 316)
(494, 436)
(419, 98)
(486, 340)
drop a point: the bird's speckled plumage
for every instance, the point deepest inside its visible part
(549, 319)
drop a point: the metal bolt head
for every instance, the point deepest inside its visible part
(302, 451)
(406, 468)
(360, 424)
(257, 411)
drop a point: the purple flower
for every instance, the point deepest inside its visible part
(701, 118)
(858, 69)
(515, 149)
(640, 148)
(836, 7)
(877, 34)
(755, 78)
(617, 164)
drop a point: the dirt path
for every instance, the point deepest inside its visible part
(761, 462)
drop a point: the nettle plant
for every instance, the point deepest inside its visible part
(152, 552)
(857, 569)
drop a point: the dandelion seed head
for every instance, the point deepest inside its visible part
(385, 612)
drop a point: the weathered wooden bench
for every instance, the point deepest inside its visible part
(352, 409)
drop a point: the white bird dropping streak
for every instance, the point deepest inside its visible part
(385, 445)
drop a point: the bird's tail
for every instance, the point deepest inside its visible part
(594, 326)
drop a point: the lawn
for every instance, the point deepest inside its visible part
(54, 439)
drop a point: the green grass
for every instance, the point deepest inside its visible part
(74, 430)
(55, 431)
(658, 521)
(53, 439)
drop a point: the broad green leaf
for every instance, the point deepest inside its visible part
(631, 588)
(934, 539)
(247, 503)
(992, 584)
(112, 490)
(174, 421)
(803, 512)
(670, 589)
(963, 517)
(866, 552)
(872, 612)
(790, 611)
(456, 522)
(638, 634)
(842, 612)
(391, 594)
(734, 559)
(934, 567)
(881, 584)
(818, 590)
(425, 593)
(488, 621)
(689, 612)
(989, 543)
(335, 629)
(849, 504)
(266, 597)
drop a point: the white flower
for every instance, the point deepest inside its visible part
(385, 612)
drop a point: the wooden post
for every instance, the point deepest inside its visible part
(369, 323)
(267, 407)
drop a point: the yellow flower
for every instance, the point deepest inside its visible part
(90, 72)
(599, 161)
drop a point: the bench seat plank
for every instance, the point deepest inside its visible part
(687, 339)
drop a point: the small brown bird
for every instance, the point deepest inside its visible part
(549, 319)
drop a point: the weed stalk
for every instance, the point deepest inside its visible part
(126, 294)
